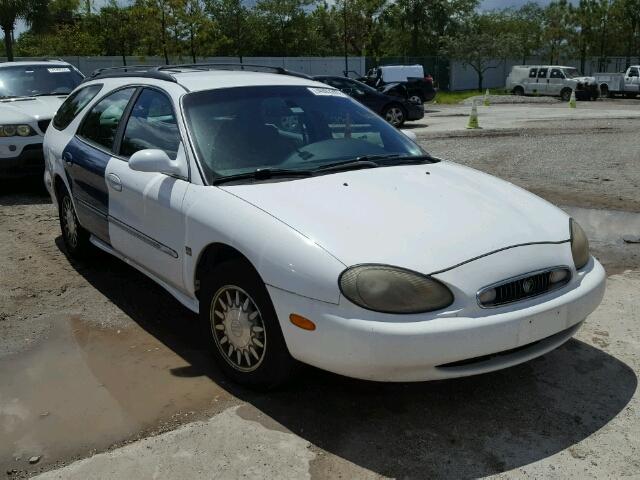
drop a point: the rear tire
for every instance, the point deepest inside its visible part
(74, 236)
(518, 91)
(395, 115)
(242, 327)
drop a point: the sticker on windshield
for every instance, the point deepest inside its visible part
(58, 70)
(332, 92)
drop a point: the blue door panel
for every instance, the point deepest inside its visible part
(86, 166)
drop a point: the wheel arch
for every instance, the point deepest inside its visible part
(213, 255)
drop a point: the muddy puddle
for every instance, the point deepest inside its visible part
(86, 388)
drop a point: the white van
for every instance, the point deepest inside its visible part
(552, 80)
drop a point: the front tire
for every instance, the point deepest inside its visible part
(243, 329)
(565, 94)
(74, 236)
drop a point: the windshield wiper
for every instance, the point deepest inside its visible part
(262, 174)
(373, 161)
(364, 161)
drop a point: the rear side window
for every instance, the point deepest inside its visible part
(73, 105)
(101, 123)
(542, 73)
(152, 124)
(533, 73)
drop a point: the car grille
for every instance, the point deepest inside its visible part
(43, 124)
(523, 287)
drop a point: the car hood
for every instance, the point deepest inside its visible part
(421, 217)
(28, 109)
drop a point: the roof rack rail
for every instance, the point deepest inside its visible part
(145, 71)
(232, 66)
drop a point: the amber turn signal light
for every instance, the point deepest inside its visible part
(301, 322)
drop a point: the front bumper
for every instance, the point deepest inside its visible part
(414, 111)
(425, 347)
(27, 162)
(587, 92)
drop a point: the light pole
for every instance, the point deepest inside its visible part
(346, 54)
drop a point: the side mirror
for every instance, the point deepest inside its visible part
(154, 160)
(412, 136)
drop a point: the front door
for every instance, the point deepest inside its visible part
(146, 223)
(86, 158)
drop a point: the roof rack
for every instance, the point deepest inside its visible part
(146, 71)
(163, 72)
(232, 66)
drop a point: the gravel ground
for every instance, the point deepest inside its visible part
(128, 357)
(589, 163)
(511, 100)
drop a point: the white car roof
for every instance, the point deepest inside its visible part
(195, 81)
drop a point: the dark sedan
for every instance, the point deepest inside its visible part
(394, 109)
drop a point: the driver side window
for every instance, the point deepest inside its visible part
(152, 124)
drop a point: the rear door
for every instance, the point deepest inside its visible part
(86, 158)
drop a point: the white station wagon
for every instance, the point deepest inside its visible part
(304, 228)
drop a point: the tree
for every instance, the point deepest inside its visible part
(479, 43)
(234, 22)
(119, 29)
(10, 12)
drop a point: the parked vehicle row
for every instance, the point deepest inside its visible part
(393, 108)
(627, 83)
(551, 80)
(302, 227)
(407, 81)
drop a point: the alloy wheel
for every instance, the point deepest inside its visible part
(394, 116)
(69, 222)
(238, 328)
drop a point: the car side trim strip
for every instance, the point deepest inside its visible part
(145, 238)
(496, 251)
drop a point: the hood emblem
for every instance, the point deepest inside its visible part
(527, 285)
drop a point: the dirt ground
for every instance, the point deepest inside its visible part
(94, 355)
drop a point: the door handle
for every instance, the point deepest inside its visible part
(115, 182)
(67, 157)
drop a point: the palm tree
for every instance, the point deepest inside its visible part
(10, 12)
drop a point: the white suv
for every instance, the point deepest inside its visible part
(301, 226)
(30, 94)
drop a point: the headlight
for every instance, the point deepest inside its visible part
(393, 290)
(13, 130)
(579, 245)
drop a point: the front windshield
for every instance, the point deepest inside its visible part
(31, 80)
(571, 73)
(244, 129)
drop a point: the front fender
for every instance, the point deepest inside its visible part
(283, 257)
